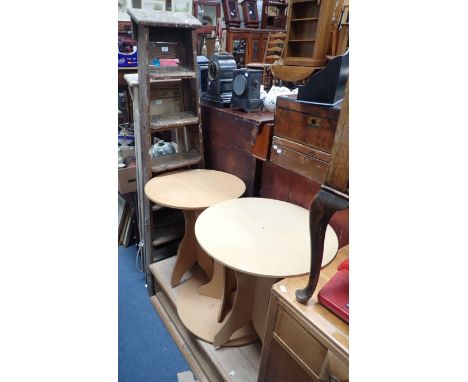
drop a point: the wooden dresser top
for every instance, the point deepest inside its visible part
(317, 316)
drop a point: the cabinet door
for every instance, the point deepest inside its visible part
(255, 49)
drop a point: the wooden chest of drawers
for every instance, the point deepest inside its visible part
(303, 137)
(304, 342)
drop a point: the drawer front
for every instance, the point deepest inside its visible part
(308, 349)
(282, 367)
(310, 130)
(300, 163)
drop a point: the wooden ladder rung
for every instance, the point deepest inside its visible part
(276, 49)
(277, 41)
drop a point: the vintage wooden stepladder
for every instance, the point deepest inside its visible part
(168, 100)
(333, 196)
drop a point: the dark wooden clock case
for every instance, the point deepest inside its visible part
(231, 13)
(250, 12)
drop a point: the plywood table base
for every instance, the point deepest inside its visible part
(189, 251)
(200, 313)
(241, 312)
(261, 240)
(214, 288)
(192, 191)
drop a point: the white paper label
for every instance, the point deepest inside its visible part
(164, 49)
(246, 74)
(158, 101)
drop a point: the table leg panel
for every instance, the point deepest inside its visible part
(241, 311)
(189, 251)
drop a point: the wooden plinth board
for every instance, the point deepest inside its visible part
(236, 364)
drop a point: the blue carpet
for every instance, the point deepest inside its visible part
(147, 352)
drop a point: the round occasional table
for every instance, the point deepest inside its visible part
(192, 191)
(262, 240)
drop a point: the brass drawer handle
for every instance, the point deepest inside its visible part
(313, 122)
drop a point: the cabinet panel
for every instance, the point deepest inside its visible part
(255, 48)
(308, 129)
(247, 46)
(303, 164)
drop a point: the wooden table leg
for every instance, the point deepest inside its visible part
(204, 261)
(324, 204)
(221, 286)
(228, 288)
(189, 251)
(216, 285)
(241, 311)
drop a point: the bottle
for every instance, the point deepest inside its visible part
(217, 46)
(204, 50)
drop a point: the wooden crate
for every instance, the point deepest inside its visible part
(303, 137)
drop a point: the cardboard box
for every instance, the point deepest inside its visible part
(127, 175)
(127, 180)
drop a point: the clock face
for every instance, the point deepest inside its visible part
(251, 8)
(233, 9)
(239, 85)
(213, 70)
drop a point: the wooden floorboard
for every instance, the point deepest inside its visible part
(237, 364)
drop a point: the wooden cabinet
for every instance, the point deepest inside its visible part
(229, 136)
(309, 25)
(247, 45)
(207, 12)
(304, 342)
(274, 14)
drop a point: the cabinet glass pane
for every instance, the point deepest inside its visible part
(207, 15)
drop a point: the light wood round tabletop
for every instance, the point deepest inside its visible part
(194, 189)
(261, 237)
